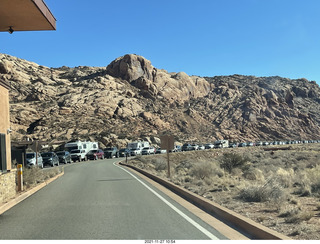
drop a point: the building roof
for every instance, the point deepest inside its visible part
(25, 15)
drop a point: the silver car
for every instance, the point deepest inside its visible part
(31, 160)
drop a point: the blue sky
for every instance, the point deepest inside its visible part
(203, 37)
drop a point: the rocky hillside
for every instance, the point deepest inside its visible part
(130, 99)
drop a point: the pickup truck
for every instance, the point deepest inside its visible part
(78, 155)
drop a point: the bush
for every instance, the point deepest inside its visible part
(289, 212)
(308, 182)
(35, 175)
(284, 178)
(253, 174)
(202, 170)
(314, 176)
(232, 160)
(205, 169)
(299, 217)
(160, 164)
(268, 192)
(142, 159)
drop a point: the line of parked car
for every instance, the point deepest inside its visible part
(64, 157)
(226, 144)
(55, 158)
(267, 143)
(47, 159)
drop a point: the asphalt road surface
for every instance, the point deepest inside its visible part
(98, 200)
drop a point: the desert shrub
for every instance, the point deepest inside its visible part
(32, 176)
(187, 179)
(142, 159)
(302, 184)
(202, 170)
(205, 169)
(314, 177)
(35, 175)
(302, 157)
(283, 177)
(253, 174)
(232, 160)
(184, 164)
(160, 164)
(289, 212)
(299, 217)
(315, 187)
(307, 182)
(268, 192)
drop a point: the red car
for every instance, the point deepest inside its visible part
(95, 154)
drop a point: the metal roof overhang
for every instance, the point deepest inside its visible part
(25, 15)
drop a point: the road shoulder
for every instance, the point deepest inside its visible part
(23, 195)
(221, 227)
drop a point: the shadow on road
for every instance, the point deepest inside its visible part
(115, 179)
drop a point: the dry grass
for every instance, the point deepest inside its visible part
(33, 176)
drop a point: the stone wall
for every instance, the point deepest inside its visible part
(7, 185)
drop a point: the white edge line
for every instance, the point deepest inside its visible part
(191, 221)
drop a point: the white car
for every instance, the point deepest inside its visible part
(31, 159)
(209, 146)
(201, 147)
(160, 151)
(194, 147)
(147, 151)
(136, 151)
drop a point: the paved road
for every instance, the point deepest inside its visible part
(98, 200)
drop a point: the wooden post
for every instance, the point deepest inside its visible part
(167, 142)
(169, 174)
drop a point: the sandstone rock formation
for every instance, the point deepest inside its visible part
(131, 99)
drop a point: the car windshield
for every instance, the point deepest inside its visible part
(93, 151)
(46, 154)
(72, 148)
(60, 153)
(75, 151)
(109, 148)
(30, 155)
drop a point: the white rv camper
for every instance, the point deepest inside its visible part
(79, 149)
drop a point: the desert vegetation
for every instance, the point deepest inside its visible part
(277, 188)
(33, 176)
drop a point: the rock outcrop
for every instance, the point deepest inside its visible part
(131, 99)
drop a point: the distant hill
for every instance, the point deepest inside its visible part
(130, 99)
